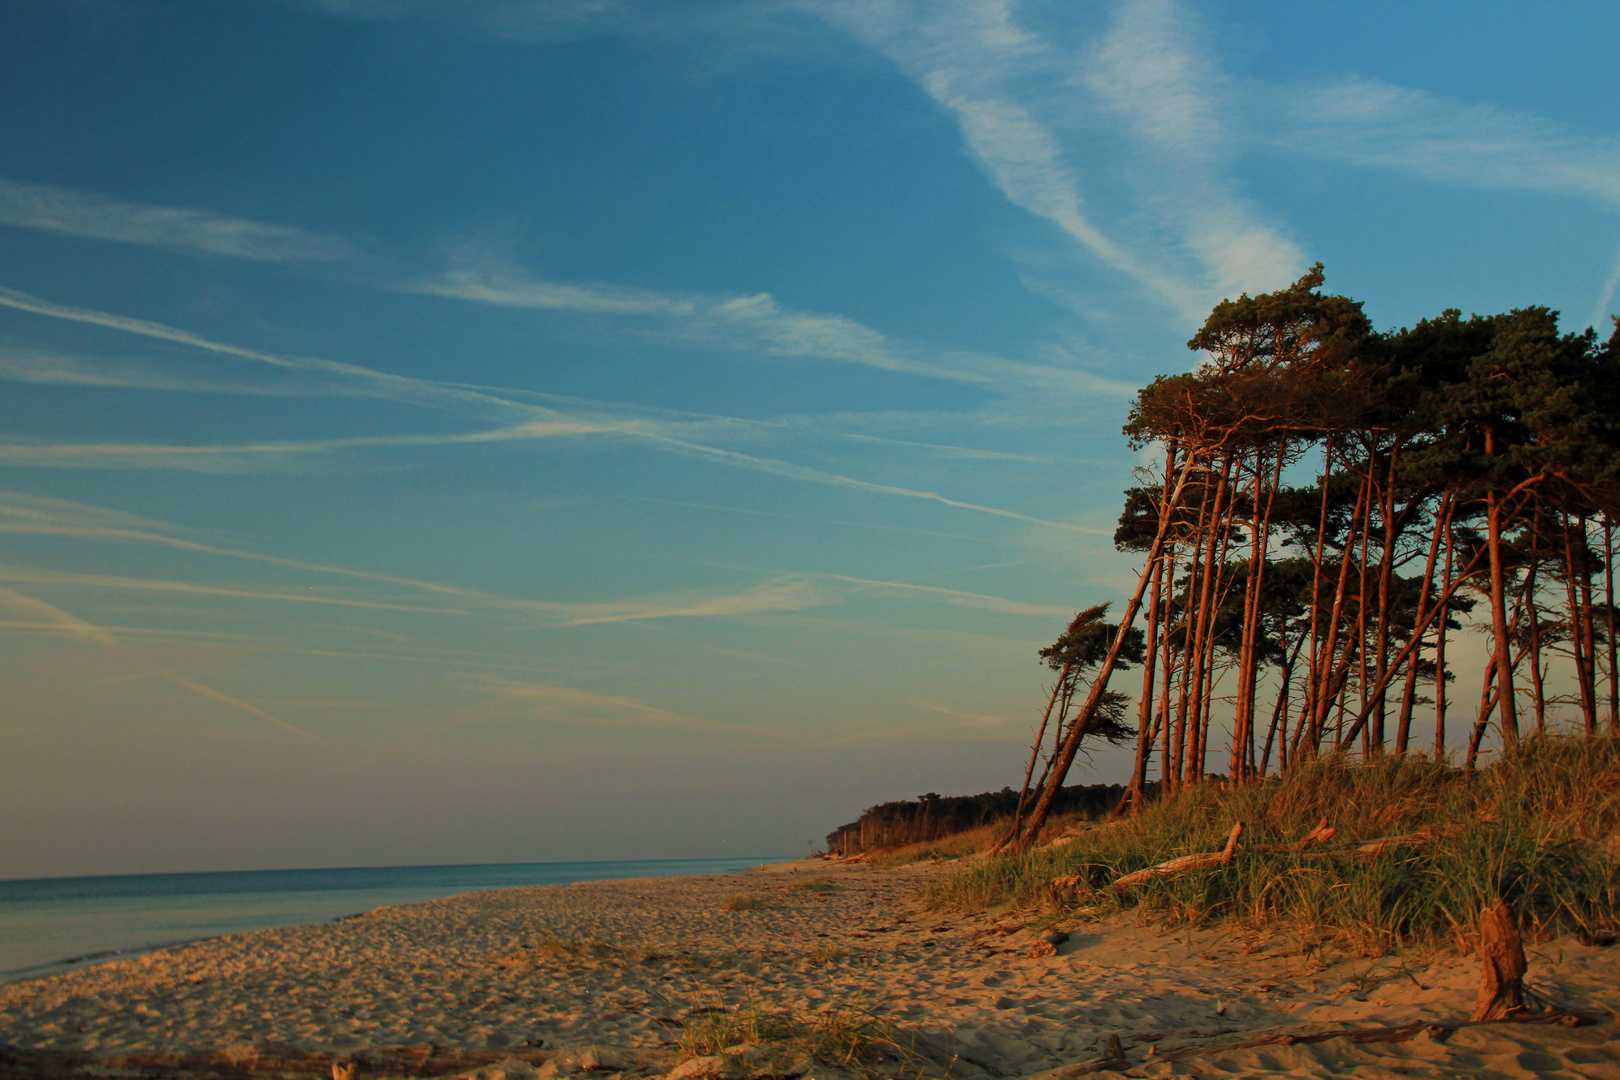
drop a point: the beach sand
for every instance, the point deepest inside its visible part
(600, 978)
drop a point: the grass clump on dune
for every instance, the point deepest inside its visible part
(1538, 829)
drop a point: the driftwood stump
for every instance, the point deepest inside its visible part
(1501, 955)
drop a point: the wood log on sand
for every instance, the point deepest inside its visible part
(1501, 956)
(1184, 865)
(1372, 849)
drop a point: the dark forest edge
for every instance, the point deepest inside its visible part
(932, 817)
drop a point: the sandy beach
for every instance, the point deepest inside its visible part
(603, 977)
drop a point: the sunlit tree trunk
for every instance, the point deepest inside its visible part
(1506, 706)
(1576, 574)
(1403, 729)
(1440, 651)
(1608, 590)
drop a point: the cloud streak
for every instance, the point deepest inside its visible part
(544, 423)
(45, 616)
(565, 704)
(1028, 107)
(219, 697)
(1376, 124)
(976, 601)
(96, 217)
(760, 325)
(27, 514)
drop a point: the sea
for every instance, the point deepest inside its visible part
(48, 925)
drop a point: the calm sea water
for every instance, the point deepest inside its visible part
(52, 924)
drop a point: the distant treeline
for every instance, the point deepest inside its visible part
(934, 817)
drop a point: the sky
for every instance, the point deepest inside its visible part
(447, 431)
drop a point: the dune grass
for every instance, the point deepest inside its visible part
(1538, 829)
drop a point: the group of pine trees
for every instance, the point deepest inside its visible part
(1333, 506)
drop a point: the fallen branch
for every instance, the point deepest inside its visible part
(1115, 1061)
(1372, 849)
(1319, 835)
(1186, 864)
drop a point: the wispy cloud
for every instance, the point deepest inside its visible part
(783, 594)
(1028, 107)
(539, 423)
(1377, 124)
(27, 514)
(963, 719)
(30, 576)
(1173, 100)
(351, 379)
(800, 472)
(569, 705)
(528, 22)
(977, 601)
(96, 217)
(41, 615)
(1604, 309)
(757, 324)
(259, 457)
(220, 697)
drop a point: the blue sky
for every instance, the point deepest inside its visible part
(485, 430)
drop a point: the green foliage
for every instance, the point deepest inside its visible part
(1536, 829)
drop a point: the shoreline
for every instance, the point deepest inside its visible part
(545, 974)
(49, 926)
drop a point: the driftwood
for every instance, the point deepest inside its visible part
(1372, 849)
(1184, 865)
(1114, 1061)
(1502, 964)
(1047, 944)
(1319, 835)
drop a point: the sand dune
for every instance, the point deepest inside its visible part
(622, 966)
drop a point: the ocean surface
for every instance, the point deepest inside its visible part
(53, 924)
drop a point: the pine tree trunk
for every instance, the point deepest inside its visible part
(1508, 714)
(1577, 571)
(1403, 729)
(1608, 590)
(1168, 507)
